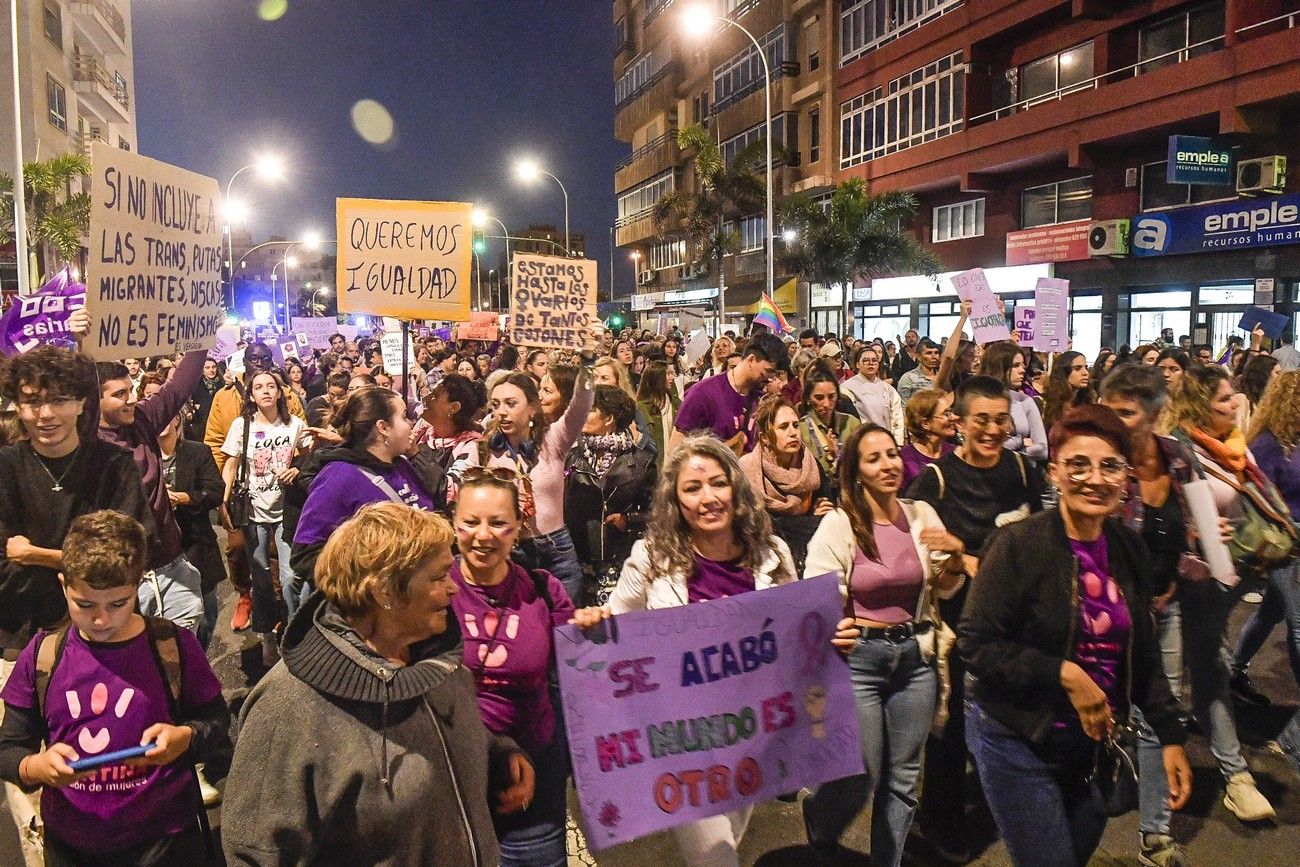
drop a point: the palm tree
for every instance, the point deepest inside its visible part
(726, 193)
(58, 219)
(859, 236)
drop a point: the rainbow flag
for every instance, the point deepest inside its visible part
(770, 315)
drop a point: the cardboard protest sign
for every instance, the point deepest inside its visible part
(986, 319)
(552, 301)
(1272, 323)
(155, 257)
(680, 714)
(1024, 322)
(319, 329)
(41, 318)
(698, 346)
(1051, 315)
(482, 325)
(410, 260)
(226, 341)
(391, 346)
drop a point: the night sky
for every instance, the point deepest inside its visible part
(470, 85)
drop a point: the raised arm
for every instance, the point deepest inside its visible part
(949, 358)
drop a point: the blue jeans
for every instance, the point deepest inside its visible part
(173, 592)
(208, 626)
(1047, 811)
(1205, 607)
(896, 694)
(555, 553)
(535, 837)
(258, 538)
(1153, 788)
(1281, 602)
(1289, 741)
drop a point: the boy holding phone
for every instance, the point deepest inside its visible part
(106, 681)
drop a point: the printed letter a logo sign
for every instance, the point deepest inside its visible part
(1150, 236)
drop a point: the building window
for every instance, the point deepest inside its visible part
(53, 16)
(640, 73)
(919, 107)
(742, 74)
(1158, 193)
(737, 143)
(736, 8)
(752, 232)
(622, 35)
(700, 108)
(1057, 75)
(57, 98)
(119, 87)
(814, 61)
(1181, 37)
(814, 135)
(667, 254)
(1059, 202)
(958, 220)
(864, 24)
(124, 144)
(636, 203)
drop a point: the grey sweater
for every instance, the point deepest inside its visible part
(343, 758)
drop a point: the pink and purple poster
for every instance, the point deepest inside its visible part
(986, 320)
(680, 714)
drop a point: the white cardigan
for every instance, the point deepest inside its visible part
(645, 586)
(833, 547)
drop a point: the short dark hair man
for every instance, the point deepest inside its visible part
(338, 343)
(725, 404)
(1202, 353)
(808, 338)
(922, 375)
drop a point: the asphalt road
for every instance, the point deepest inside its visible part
(1210, 835)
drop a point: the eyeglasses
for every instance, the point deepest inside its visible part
(1079, 469)
(947, 413)
(984, 421)
(258, 358)
(504, 474)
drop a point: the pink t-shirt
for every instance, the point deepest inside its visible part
(888, 591)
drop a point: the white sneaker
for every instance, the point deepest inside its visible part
(211, 797)
(1244, 801)
(1253, 597)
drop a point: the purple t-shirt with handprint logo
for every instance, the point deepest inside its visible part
(101, 699)
(1104, 622)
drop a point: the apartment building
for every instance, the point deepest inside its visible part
(1038, 135)
(665, 80)
(76, 83)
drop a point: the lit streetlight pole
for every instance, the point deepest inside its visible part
(316, 292)
(270, 168)
(529, 171)
(698, 20)
(635, 256)
(20, 184)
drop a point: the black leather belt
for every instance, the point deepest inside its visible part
(896, 633)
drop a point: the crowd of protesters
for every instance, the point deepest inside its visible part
(1022, 580)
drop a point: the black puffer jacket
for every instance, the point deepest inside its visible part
(344, 758)
(1020, 623)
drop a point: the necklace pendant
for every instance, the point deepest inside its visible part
(57, 488)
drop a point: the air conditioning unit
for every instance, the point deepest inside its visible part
(1263, 175)
(646, 278)
(1108, 238)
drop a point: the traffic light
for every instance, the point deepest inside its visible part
(616, 322)
(479, 243)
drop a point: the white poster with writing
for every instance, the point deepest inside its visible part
(552, 301)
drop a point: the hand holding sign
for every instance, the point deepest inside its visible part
(552, 301)
(986, 319)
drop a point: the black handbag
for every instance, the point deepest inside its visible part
(239, 506)
(1115, 772)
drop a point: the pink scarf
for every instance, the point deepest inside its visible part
(784, 491)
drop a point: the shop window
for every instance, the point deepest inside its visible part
(1181, 37)
(57, 98)
(1057, 75)
(958, 220)
(1158, 193)
(1059, 202)
(52, 15)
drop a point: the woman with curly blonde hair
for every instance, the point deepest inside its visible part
(1274, 433)
(709, 538)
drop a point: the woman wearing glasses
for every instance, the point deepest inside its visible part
(931, 426)
(520, 439)
(708, 538)
(1058, 635)
(506, 614)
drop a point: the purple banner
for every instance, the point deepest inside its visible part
(42, 317)
(683, 713)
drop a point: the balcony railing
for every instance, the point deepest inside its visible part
(646, 149)
(1280, 23)
(88, 67)
(1133, 70)
(106, 8)
(87, 137)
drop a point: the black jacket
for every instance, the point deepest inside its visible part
(1020, 624)
(625, 489)
(194, 472)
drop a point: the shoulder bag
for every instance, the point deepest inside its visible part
(239, 506)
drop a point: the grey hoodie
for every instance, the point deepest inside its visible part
(343, 758)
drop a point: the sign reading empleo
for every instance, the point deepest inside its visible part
(1214, 228)
(1195, 159)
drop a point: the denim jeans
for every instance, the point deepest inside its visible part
(258, 538)
(1289, 741)
(555, 553)
(536, 837)
(896, 694)
(1205, 608)
(173, 592)
(1153, 788)
(1281, 602)
(1047, 811)
(208, 625)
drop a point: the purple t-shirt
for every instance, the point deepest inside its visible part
(1103, 621)
(101, 698)
(712, 404)
(717, 579)
(509, 647)
(888, 591)
(914, 462)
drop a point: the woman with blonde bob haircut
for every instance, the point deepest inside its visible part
(708, 538)
(366, 662)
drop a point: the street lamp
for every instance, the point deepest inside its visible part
(635, 256)
(316, 292)
(269, 167)
(698, 20)
(528, 171)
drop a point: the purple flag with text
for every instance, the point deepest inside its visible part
(679, 714)
(42, 317)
